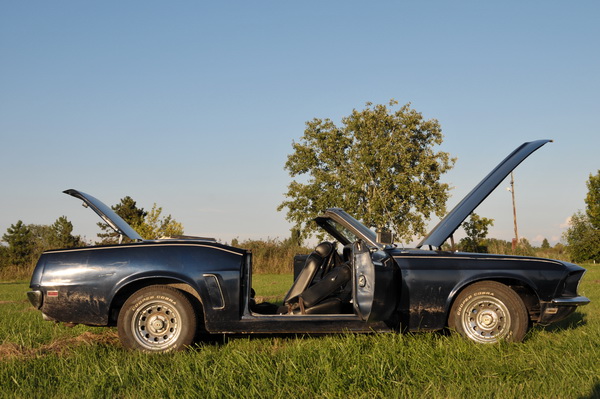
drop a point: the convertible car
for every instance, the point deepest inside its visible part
(163, 294)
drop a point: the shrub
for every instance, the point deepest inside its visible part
(272, 255)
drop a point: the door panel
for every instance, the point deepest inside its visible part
(363, 280)
(375, 285)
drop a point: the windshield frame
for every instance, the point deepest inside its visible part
(340, 225)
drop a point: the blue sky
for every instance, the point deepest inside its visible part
(194, 106)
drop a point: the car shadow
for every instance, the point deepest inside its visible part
(222, 339)
(576, 320)
(595, 394)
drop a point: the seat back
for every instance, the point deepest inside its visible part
(317, 259)
(330, 284)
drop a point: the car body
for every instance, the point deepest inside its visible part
(162, 293)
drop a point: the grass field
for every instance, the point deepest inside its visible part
(40, 358)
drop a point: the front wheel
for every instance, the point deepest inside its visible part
(488, 312)
(157, 319)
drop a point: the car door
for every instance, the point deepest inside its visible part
(374, 283)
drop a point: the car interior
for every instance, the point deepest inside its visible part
(323, 286)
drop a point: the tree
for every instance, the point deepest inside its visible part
(524, 248)
(27, 242)
(149, 225)
(380, 166)
(129, 212)
(583, 239)
(476, 229)
(41, 237)
(295, 239)
(592, 200)
(583, 234)
(154, 227)
(61, 234)
(20, 244)
(497, 246)
(545, 244)
(4, 256)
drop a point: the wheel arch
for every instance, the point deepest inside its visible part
(131, 287)
(525, 291)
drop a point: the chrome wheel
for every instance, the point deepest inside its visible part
(488, 312)
(485, 319)
(156, 324)
(157, 318)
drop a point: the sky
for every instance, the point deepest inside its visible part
(194, 105)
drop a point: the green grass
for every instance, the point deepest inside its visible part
(39, 357)
(271, 287)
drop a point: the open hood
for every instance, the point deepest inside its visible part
(107, 214)
(447, 226)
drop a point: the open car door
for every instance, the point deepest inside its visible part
(375, 288)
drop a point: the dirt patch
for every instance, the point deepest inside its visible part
(64, 346)
(61, 347)
(272, 298)
(10, 350)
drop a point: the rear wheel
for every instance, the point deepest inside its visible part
(488, 312)
(157, 319)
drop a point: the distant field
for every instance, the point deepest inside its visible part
(42, 358)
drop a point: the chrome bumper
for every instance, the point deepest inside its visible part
(575, 301)
(560, 308)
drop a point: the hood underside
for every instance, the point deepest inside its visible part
(447, 226)
(107, 214)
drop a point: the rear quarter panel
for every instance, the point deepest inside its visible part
(88, 279)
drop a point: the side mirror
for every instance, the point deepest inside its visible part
(385, 236)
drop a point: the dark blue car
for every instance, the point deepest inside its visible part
(162, 294)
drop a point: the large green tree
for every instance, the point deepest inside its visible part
(583, 235)
(380, 165)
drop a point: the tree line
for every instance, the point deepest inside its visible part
(26, 242)
(476, 240)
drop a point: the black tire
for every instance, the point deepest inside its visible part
(157, 318)
(488, 312)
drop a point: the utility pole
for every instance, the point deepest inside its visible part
(512, 191)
